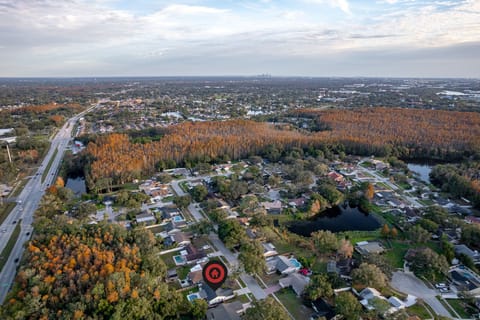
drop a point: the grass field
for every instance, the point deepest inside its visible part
(49, 165)
(10, 244)
(5, 210)
(294, 304)
(420, 311)
(462, 308)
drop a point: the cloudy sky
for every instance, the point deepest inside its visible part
(396, 38)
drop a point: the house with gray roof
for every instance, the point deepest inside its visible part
(295, 280)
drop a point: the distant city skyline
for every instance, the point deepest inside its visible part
(317, 38)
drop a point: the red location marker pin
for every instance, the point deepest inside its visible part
(214, 274)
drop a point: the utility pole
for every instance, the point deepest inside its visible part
(9, 155)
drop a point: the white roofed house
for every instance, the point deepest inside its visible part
(146, 217)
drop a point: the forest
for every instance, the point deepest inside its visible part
(74, 271)
(405, 133)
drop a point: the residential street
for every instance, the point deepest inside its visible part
(407, 282)
(250, 281)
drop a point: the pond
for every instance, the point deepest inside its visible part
(77, 185)
(422, 170)
(336, 219)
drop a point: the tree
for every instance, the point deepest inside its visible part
(86, 209)
(385, 231)
(60, 182)
(231, 233)
(199, 193)
(380, 261)
(426, 262)
(203, 227)
(164, 178)
(447, 249)
(347, 305)
(370, 191)
(267, 309)
(251, 257)
(380, 306)
(345, 248)
(394, 232)
(325, 241)
(418, 234)
(369, 275)
(318, 287)
(182, 201)
(471, 235)
(428, 225)
(199, 308)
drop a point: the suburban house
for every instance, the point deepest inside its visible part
(146, 218)
(335, 176)
(181, 238)
(285, 265)
(169, 212)
(226, 311)
(195, 277)
(472, 219)
(323, 309)
(298, 202)
(274, 207)
(296, 281)
(172, 275)
(465, 280)
(269, 250)
(369, 247)
(193, 254)
(463, 249)
(215, 296)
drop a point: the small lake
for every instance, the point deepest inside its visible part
(422, 170)
(77, 185)
(336, 219)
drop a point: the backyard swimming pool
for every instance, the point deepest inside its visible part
(295, 262)
(178, 219)
(193, 296)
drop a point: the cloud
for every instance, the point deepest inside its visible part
(341, 4)
(45, 36)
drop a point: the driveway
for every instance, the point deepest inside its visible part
(410, 284)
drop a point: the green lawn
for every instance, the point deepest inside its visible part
(5, 210)
(397, 250)
(396, 253)
(183, 272)
(19, 188)
(358, 236)
(462, 308)
(446, 305)
(47, 169)
(419, 310)
(294, 304)
(10, 244)
(168, 199)
(383, 185)
(168, 259)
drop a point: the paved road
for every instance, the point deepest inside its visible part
(413, 201)
(28, 201)
(250, 281)
(407, 282)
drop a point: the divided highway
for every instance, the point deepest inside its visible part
(28, 201)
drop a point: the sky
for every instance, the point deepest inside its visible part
(319, 38)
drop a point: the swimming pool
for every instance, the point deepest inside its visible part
(179, 260)
(295, 263)
(193, 296)
(178, 219)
